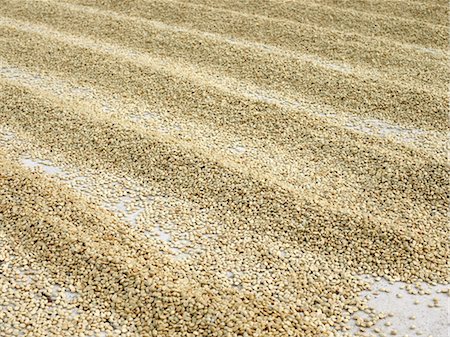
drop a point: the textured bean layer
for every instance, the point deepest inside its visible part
(211, 169)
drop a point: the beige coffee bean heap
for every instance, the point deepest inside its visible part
(224, 168)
